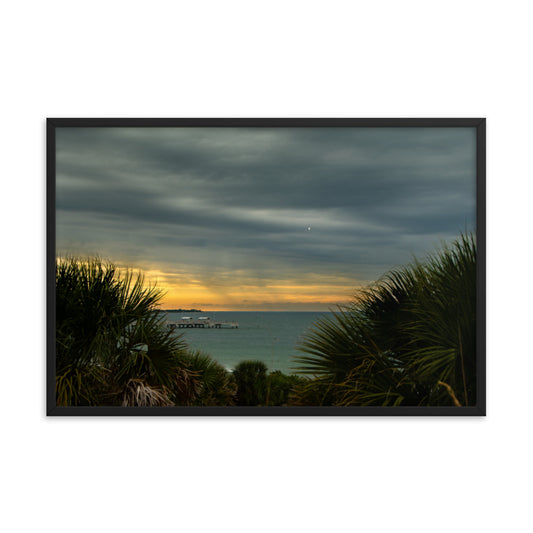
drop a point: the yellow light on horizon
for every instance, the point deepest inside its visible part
(232, 292)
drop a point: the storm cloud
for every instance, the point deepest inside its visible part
(226, 205)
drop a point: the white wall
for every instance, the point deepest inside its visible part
(275, 58)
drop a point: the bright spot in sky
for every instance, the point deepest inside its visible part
(308, 228)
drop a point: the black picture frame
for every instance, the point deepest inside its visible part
(478, 123)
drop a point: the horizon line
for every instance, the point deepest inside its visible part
(248, 310)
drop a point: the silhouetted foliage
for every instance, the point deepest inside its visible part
(216, 385)
(251, 380)
(280, 387)
(408, 340)
(112, 344)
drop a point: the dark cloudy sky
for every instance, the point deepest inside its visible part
(220, 217)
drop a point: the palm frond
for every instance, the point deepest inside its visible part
(107, 320)
(415, 327)
(137, 393)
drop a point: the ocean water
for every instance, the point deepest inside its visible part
(270, 337)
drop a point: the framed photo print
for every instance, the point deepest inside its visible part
(266, 267)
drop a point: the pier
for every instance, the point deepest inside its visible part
(201, 322)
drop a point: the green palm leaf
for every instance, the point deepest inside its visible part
(111, 340)
(410, 339)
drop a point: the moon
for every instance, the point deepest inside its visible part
(308, 228)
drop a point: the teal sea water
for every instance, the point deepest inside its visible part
(270, 337)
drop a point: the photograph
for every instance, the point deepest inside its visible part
(266, 267)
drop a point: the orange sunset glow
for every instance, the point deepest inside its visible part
(251, 219)
(232, 293)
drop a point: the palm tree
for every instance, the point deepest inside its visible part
(280, 387)
(112, 346)
(215, 386)
(251, 380)
(408, 340)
